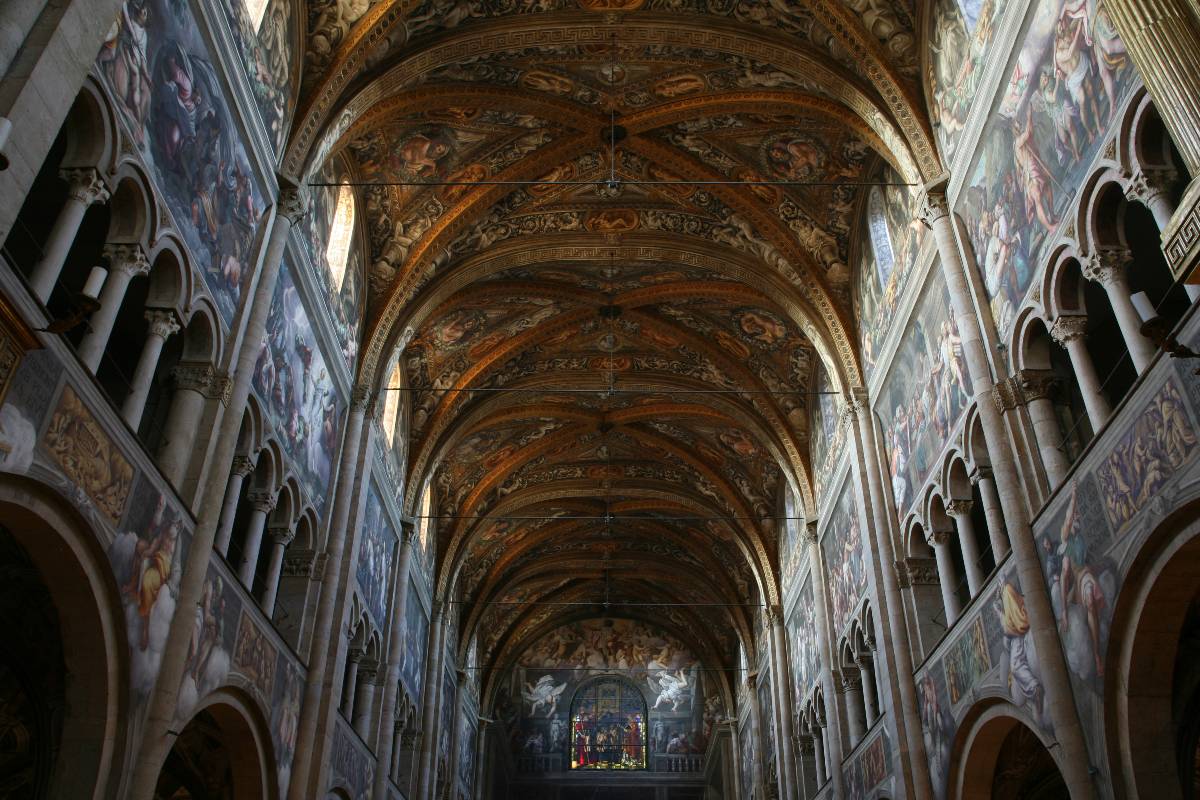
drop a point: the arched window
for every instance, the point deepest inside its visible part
(608, 725)
(341, 236)
(256, 10)
(424, 523)
(881, 237)
(391, 406)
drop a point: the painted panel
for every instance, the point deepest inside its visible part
(158, 69)
(841, 544)
(925, 392)
(825, 432)
(266, 55)
(1070, 79)
(802, 633)
(353, 769)
(376, 550)
(416, 634)
(293, 382)
(766, 707)
(468, 740)
(869, 767)
(963, 31)
(748, 755)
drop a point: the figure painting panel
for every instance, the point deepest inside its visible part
(266, 47)
(802, 631)
(1070, 80)
(924, 394)
(158, 69)
(210, 648)
(376, 550)
(285, 717)
(842, 547)
(937, 726)
(416, 632)
(962, 33)
(825, 432)
(342, 285)
(466, 755)
(293, 381)
(766, 708)
(748, 755)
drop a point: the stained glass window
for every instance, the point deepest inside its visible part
(881, 237)
(608, 726)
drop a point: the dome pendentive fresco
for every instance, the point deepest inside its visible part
(681, 399)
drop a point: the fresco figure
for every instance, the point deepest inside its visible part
(937, 727)
(1024, 683)
(125, 61)
(153, 562)
(544, 694)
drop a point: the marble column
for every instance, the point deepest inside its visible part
(783, 701)
(126, 262)
(832, 744)
(1062, 712)
(1070, 331)
(85, 186)
(939, 540)
(482, 753)
(241, 468)
(1107, 267)
(163, 324)
(354, 659)
(818, 738)
(429, 705)
(866, 668)
(851, 688)
(759, 732)
(261, 505)
(807, 762)
(960, 512)
(1037, 390)
(456, 733)
(281, 537)
(982, 477)
(395, 657)
(155, 740)
(1152, 188)
(364, 699)
(192, 384)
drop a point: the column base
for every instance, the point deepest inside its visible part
(1181, 237)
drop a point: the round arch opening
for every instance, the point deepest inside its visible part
(1007, 760)
(608, 725)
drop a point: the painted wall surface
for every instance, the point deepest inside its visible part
(376, 551)
(825, 433)
(841, 544)
(157, 67)
(1070, 79)
(802, 634)
(961, 33)
(869, 770)
(267, 56)
(293, 382)
(887, 250)
(469, 739)
(352, 767)
(416, 635)
(766, 707)
(748, 753)
(925, 392)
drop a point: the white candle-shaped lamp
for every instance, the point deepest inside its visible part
(1144, 307)
(95, 282)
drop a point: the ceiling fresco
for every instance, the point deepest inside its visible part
(607, 242)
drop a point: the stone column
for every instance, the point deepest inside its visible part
(1151, 187)
(947, 574)
(85, 186)
(163, 324)
(866, 668)
(1107, 267)
(192, 383)
(807, 762)
(155, 740)
(832, 745)
(850, 684)
(429, 704)
(982, 477)
(354, 659)
(281, 537)
(1063, 715)
(783, 702)
(960, 512)
(395, 657)
(262, 504)
(482, 752)
(364, 699)
(756, 727)
(242, 467)
(818, 739)
(456, 733)
(1070, 331)
(126, 262)
(1037, 389)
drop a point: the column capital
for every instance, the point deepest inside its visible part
(164, 323)
(362, 398)
(293, 201)
(918, 571)
(1106, 266)
(355, 655)
(408, 531)
(367, 672)
(194, 377)
(934, 205)
(864, 661)
(1036, 384)
(129, 259)
(243, 465)
(1150, 183)
(773, 615)
(847, 679)
(262, 501)
(222, 388)
(810, 531)
(1068, 328)
(281, 535)
(85, 184)
(937, 538)
(959, 507)
(299, 564)
(981, 473)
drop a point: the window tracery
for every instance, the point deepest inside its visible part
(608, 726)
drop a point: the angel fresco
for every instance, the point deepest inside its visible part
(544, 694)
(125, 60)
(794, 158)
(670, 687)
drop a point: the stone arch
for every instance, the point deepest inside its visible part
(1144, 641)
(71, 564)
(230, 719)
(131, 205)
(985, 741)
(202, 340)
(91, 128)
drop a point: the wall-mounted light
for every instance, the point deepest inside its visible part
(1158, 330)
(83, 304)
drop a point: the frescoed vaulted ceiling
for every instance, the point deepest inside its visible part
(610, 239)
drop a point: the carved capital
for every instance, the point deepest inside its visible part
(810, 531)
(1069, 328)
(934, 207)
(959, 508)
(293, 203)
(921, 571)
(981, 473)
(1006, 394)
(362, 398)
(194, 377)
(902, 577)
(163, 322)
(281, 535)
(1148, 184)
(355, 655)
(1036, 384)
(773, 615)
(937, 538)
(408, 531)
(1106, 266)
(85, 185)
(299, 564)
(127, 259)
(242, 465)
(262, 501)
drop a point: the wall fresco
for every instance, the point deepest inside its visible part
(825, 434)
(841, 544)
(802, 632)
(766, 708)
(352, 768)
(748, 754)
(1070, 79)
(416, 633)
(293, 382)
(871, 766)
(157, 67)
(962, 32)
(925, 392)
(468, 739)
(376, 550)
(266, 58)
